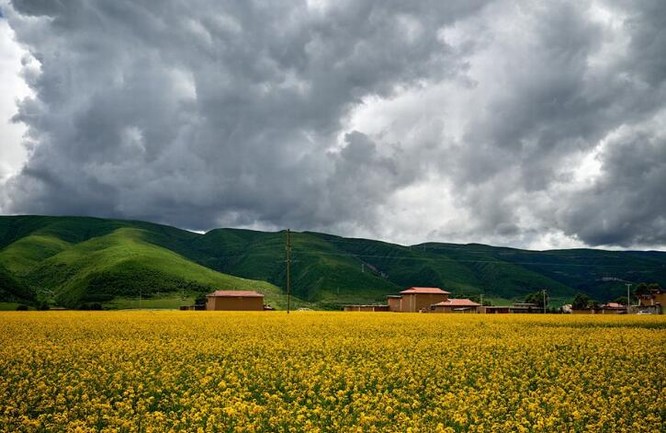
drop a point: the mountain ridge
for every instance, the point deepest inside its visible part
(82, 258)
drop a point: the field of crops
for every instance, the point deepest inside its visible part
(214, 371)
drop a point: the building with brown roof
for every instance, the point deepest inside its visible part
(613, 308)
(418, 299)
(235, 300)
(421, 299)
(456, 306)
(652, 302)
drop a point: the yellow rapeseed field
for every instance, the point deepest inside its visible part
(337, 372)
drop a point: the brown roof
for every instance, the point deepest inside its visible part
(613, 305)
(236, 294)
(424, 291)
(457, 303)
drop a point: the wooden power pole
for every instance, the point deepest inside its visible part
(288, 261)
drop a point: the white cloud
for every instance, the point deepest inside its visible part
(12, 89)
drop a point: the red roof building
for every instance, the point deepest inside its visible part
(613, 308)
(456, 306)
(425, 291)
(235, 300)
(417, 299)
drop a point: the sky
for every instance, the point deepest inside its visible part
(523, 123)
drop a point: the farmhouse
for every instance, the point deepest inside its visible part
(455, 306)
(235, 300)
(613, 308)
(652, 302)
(421, 299)
(393, 302)
(418, 299)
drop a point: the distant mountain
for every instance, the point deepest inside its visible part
(80, 259)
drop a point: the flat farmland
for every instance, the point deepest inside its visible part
(142, 371)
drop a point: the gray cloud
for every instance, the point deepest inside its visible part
(320, 116)
(562, 97)
(626, 205)
(196, 110)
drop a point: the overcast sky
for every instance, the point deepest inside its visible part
(534, 124)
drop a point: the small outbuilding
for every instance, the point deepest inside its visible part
(235, 300)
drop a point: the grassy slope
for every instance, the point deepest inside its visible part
(320, 272)
(330, 267)
(13, 289)
(600, 274)
(407, 266)
(80, 258)
(496, 274)
(123, 264)
(103, 259)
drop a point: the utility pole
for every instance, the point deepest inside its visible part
(288, 253)
(544, 301)
(628, 296)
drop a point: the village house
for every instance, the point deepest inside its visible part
(613, 308)
(418, 299)
(393, 302)
(455, 306)
(421, 299)
(652, 302)
(235, 300)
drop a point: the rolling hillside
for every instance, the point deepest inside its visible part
(73, 260)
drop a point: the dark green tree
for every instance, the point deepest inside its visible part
(582, 302)
(536, 298)
(642, 289)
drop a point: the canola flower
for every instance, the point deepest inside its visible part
(150, 371)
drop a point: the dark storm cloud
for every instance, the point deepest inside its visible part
(204, 113)
(195, 112)
(626, 206)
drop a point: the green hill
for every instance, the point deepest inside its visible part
(78, 260)
(74, 260)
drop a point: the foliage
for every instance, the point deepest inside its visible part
(643, 289)
(13, 289)
(537, 298)
(582, 302)
(251, 372)
(91, 306)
